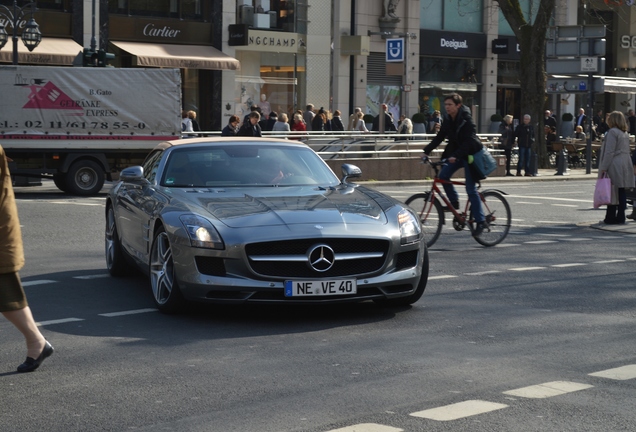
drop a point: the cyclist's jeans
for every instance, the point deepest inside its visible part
(524, 159)
(447, 172)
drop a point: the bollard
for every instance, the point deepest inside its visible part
(534, 164)
(562, 162)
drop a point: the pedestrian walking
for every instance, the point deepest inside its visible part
(616, 162)
(299, 126)
(281, 124)
(336, 122)
(13, 302)
(507, 140)
(231, 129)
(251, 127)
(308, 116)
(525, 140)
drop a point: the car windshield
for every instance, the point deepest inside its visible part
(241, 165)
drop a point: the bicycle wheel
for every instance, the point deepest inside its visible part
(431, 216)
(498, 219)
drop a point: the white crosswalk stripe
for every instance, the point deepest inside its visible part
(549, 389)
(620, 373)
(459, 410)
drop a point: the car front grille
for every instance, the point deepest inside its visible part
(287, 259)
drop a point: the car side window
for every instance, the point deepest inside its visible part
(151, 164)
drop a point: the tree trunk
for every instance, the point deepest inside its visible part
(532, 76)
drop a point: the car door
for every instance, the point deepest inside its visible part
(134, 200)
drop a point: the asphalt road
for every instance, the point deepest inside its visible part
(533, 335)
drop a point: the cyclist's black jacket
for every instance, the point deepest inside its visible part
(461, 134)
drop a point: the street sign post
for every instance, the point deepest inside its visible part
(575, 66)
(585, 47)
(395, 50)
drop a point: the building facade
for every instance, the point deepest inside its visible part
(284, 54)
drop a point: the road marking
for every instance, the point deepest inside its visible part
(459, 410)
(549, 389)
(74, 203)
(442, 277)
(526, 268)
(554, 235)
(60, 321)
(95, 276)
(568, 265)
(550, 199)
(130, 312)
(38, 282)
(367, 427)
(503, 245)
(608, 261)
(620, 373)
(577, 239)
(541, 242)
(565, 205)
(482, 273)
(528, 203)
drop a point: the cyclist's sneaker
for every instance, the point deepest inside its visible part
(455, 206)
(479, 228)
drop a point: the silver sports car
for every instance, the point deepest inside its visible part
(260, 220)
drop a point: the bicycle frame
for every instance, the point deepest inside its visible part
(432, 212)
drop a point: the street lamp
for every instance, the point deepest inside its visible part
(31, 35)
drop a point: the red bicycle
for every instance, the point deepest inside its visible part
(431, 212)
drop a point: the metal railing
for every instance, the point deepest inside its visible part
(351, 145)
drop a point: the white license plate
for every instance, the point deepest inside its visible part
(320, 288)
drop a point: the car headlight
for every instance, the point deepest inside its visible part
(410, 229)
(201, 232)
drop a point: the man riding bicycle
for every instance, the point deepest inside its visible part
(461, 132)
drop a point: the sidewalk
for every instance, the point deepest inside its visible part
(544, 175)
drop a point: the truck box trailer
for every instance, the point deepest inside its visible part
(81, 126)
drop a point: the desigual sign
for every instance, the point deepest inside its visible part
(273, 42)
(453, 44)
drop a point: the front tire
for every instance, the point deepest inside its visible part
(116, 261)
(498, 219)
(431, 217)
(164, 285)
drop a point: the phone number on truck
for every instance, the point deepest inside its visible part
(38, 124)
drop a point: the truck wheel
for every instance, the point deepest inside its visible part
(60, 182)
(85, 177)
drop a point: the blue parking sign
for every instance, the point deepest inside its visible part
(395, 50)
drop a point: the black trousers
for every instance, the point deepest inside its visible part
(615, 214)
(508, 154)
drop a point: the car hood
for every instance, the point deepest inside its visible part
(271, 206)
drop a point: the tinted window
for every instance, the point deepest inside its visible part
(239, 165)
(151, 164)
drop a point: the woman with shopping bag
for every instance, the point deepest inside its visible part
(616, 163)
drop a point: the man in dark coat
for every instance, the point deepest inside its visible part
(251, 127)
(548, 120)
(388, 121)
(268, 125)
(460, 130)
(525, 139)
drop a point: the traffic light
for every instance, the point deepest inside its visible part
(104, 57)
(89, 58)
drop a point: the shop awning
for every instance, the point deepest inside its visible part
(50, 51)
(179, 56)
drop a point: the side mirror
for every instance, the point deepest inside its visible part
(132, 174)
(349, 170)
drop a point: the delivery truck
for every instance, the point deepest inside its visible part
(82, 126)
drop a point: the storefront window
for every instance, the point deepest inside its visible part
(271, 81)
(378, 94)
(464, 16)
(440, 76)
(183, 9)
(279, 15)
(52, 4)
(190, 86)
(450, 70)
(508, 72)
